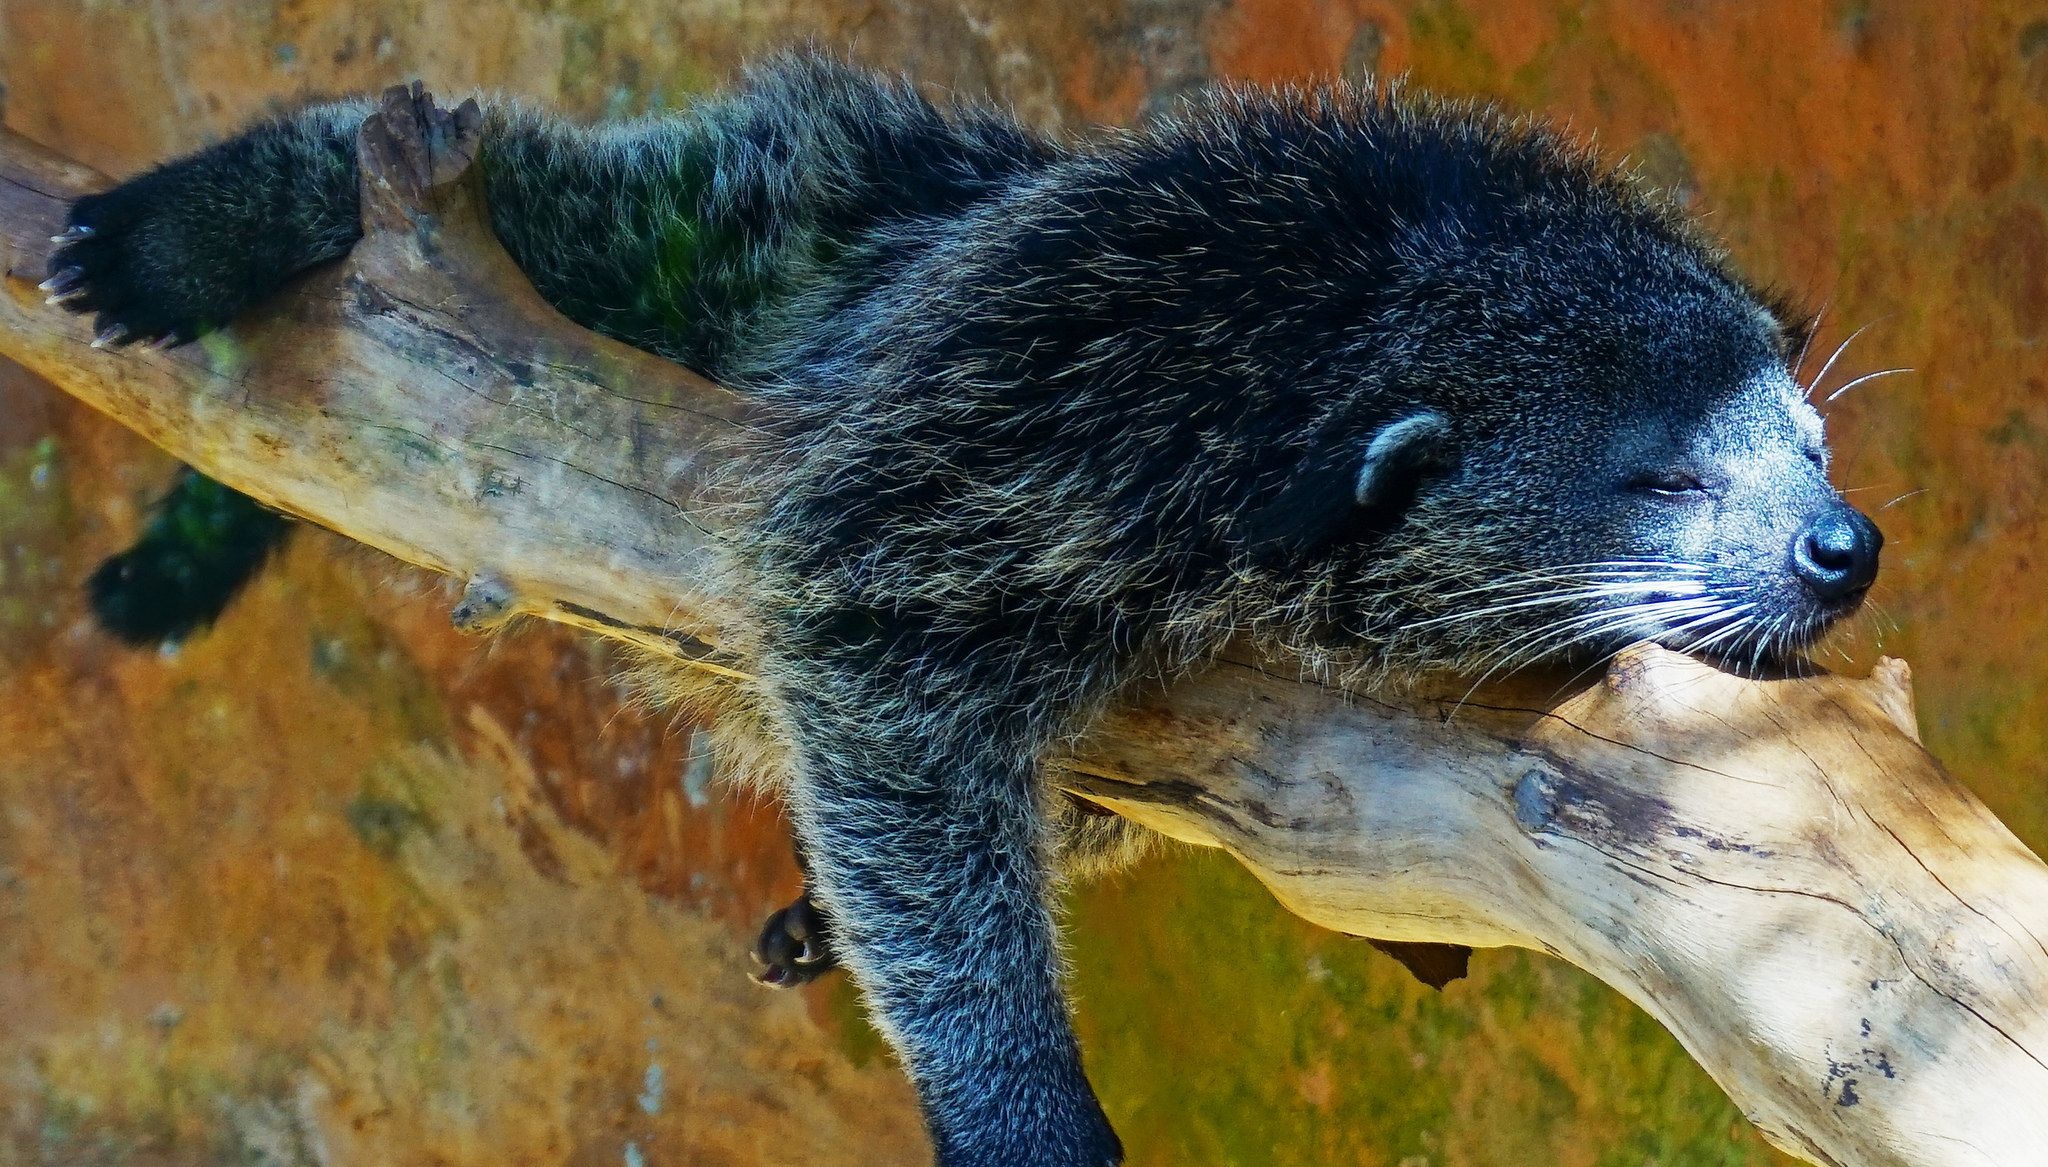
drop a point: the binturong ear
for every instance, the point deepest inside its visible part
(1403, 455)
(1337, 495)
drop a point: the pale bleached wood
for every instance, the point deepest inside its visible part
(1844, 937)
(1838, 931)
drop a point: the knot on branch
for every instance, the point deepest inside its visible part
(487, 602)
(415, 157)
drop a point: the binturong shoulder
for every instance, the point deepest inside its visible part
(1352, 198)
(1385, 151)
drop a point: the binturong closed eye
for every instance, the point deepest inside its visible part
(1763, 556)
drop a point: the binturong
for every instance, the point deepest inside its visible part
(1382, 384)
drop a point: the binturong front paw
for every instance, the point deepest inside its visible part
(146, 262)
(795, 946)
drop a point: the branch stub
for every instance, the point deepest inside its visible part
(416, 157)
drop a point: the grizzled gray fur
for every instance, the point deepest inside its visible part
(1386, 384)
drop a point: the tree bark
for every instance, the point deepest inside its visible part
(1845, 938)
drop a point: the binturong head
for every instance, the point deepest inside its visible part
(1578, 428)
(1642, 464)
(1660, 476)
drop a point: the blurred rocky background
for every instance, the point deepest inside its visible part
(334, 885)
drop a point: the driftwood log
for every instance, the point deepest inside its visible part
(1844, 937)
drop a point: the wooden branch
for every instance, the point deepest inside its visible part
(1845, 938)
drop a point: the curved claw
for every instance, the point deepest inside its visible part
(111, 335)
(73, 234)
(64, 283)
(794, 947)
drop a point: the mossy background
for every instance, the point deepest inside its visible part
(336, 885)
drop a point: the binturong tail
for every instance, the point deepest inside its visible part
(202, 545)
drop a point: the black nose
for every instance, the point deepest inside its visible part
(1837, 553)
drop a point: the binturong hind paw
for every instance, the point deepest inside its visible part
(795, 946)
(134, 259)
(204, 542)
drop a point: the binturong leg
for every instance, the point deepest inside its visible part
(916, 803)
(794, 947)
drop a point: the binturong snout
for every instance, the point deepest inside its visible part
(1836, 555)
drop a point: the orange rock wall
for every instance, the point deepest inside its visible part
(336, 885)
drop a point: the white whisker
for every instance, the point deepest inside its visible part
(1860, 380)
(1509, 661)
(1799, 366)
(1733, 631)
(1584, 627)
(1576, 595)
(1814, 385)
(1617, 569)
(1709, 620)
